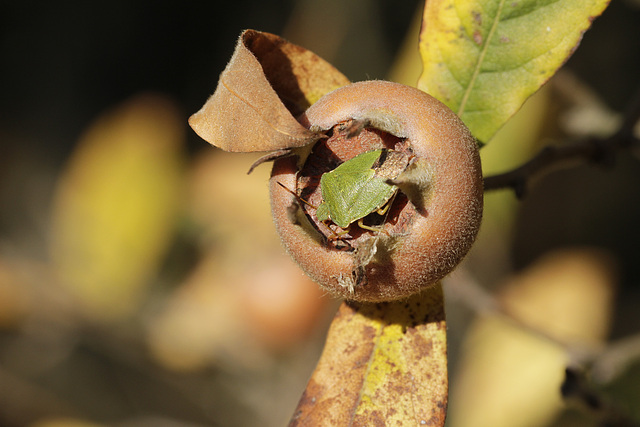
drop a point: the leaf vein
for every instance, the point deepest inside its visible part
(478, 66)
(367, 373)
(530, 11)
(257, 111)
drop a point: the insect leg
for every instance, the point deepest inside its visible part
(364, 226)
(383, 211)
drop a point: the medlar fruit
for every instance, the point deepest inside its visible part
(421, 233)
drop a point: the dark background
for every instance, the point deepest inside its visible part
(64, 63)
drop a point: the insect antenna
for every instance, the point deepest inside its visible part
(300, 199)
(336, 235)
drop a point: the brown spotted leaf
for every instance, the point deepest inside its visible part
(383, 364)
(267, 82)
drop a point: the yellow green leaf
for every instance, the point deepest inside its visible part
(115, 206)
(484, 58)
(383, 364)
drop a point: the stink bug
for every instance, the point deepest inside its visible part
(360, 186)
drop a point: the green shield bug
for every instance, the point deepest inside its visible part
(360, 186)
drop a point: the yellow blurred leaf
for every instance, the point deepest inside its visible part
(511, 377)
(235, 315)
(508, 378)
(245, 297)
(200, 323)
(115, 206)
(232, 207)
(280, 305)
(567, 294)
(383, 364)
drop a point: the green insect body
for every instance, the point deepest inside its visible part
(359, 186)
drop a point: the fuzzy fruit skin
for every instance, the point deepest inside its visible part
(437, 238)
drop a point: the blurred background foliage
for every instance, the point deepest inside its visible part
(141, 280)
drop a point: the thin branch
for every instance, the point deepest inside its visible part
(615, 359)
(464, 288)
(606, 362)
(577, 388)
(593, 149)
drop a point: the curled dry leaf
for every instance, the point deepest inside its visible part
(383, 364)
(267, 82)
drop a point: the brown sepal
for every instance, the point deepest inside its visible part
(267, 82)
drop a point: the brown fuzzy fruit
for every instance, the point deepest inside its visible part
(431, 222)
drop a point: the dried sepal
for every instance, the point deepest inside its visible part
(414, 181)
(267, 82)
